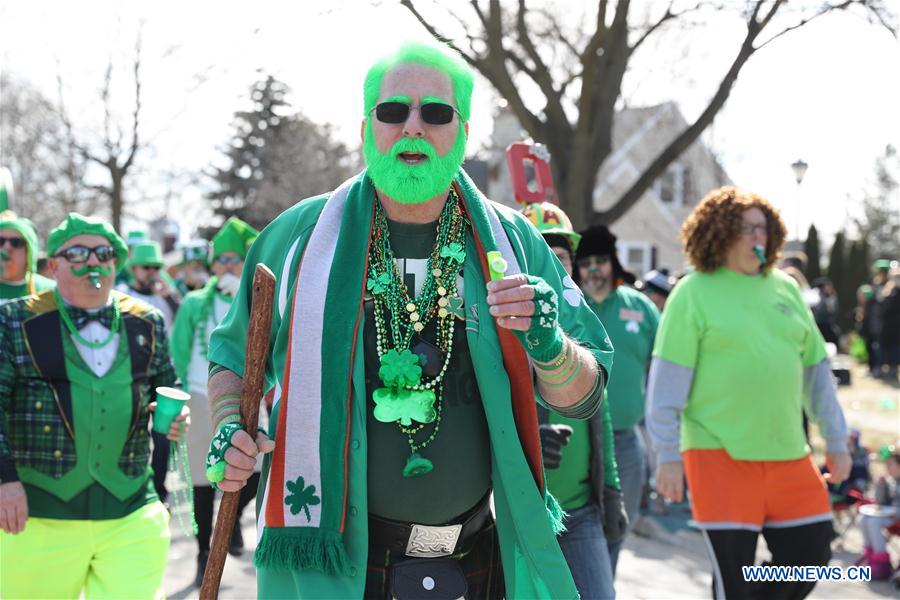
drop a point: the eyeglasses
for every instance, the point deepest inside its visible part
(13, 242)
(229, 260)
(149, 267)
(590, 261)
(81, 254)
(751, 228)
(433, 113)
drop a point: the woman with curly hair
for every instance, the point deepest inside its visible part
(736, 354)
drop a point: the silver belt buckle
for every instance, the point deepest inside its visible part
(428, 541)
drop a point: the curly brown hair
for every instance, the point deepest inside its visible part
(715, 225)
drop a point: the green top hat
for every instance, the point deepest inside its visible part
(135, 237)
(882, 264)
(234, 236)
(146, 254)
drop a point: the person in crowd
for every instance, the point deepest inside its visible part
(409, 314)
(867, 323)
(579, 456)
(200, 313)
(79, 366)
(193, 270)
(18, 259)
(825, 310)
(874, 522)
(736, 353)
(657, 285)
(631, 319)
(889, 340)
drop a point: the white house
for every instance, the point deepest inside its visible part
(648, 233)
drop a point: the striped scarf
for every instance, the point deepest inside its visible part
(304, 510)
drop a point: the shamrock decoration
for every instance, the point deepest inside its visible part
(454, 251)
(572, 294)
(379, 284)
(455, 307)
(404, 406)
(302, 497)
(400, 369)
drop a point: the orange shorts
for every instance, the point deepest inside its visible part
(752, 494)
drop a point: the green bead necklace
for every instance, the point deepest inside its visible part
(67, 320)
(406, 398)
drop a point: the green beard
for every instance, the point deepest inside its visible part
(412, 184)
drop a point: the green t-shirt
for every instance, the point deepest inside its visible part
(748, 339)
(461, 450)
(571, 482)
(12, 291)
(630, 320)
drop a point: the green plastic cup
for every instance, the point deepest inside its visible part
(168, 406)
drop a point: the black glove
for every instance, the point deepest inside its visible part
(553, 438)
(615, 519)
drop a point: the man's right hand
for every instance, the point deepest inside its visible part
(670, 481)
(553, 438)
(240, 459)
(13, 507)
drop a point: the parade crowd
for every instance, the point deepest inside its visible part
(462, 400)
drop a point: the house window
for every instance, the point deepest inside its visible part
(673, 187)
(637, 257)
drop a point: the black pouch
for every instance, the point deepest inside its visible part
(428, 579)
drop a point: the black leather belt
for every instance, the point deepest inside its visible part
(430, 541)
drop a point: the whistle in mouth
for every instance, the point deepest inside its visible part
(95, 280)
(758, 251)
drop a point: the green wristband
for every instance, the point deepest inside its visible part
(220, 443)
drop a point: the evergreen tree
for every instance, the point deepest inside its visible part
(837, 265)
(276, 157)
(879, 221)
(854, 275)
(813, 258)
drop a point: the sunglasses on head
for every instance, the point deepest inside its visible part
(81, 254)
(13, 242)
(229, 260)
(433, 113)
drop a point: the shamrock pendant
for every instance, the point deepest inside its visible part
(405, 406)
(417, 465)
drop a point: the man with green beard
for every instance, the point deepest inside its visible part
(411, 317)
(18, 259)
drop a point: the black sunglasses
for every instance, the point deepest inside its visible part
(81, 254)
(433, 113)
(13, 242)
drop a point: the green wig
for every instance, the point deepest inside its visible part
(439, 57)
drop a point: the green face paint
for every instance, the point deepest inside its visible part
(4, 256)
(87, 270)
(412, 184)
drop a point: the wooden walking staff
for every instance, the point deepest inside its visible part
(254, 371)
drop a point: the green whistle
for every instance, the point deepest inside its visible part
(95, 280)
(760, 254)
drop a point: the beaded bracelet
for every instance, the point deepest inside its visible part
(562, 374)
(556, 363)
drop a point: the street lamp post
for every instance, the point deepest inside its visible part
(799, 167)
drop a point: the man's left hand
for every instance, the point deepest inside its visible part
(838, 464)
(527, 305)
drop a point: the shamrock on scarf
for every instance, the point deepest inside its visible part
(399, 369)
(455, 307)
(301, 497)
(454, 251)
(379, 284)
